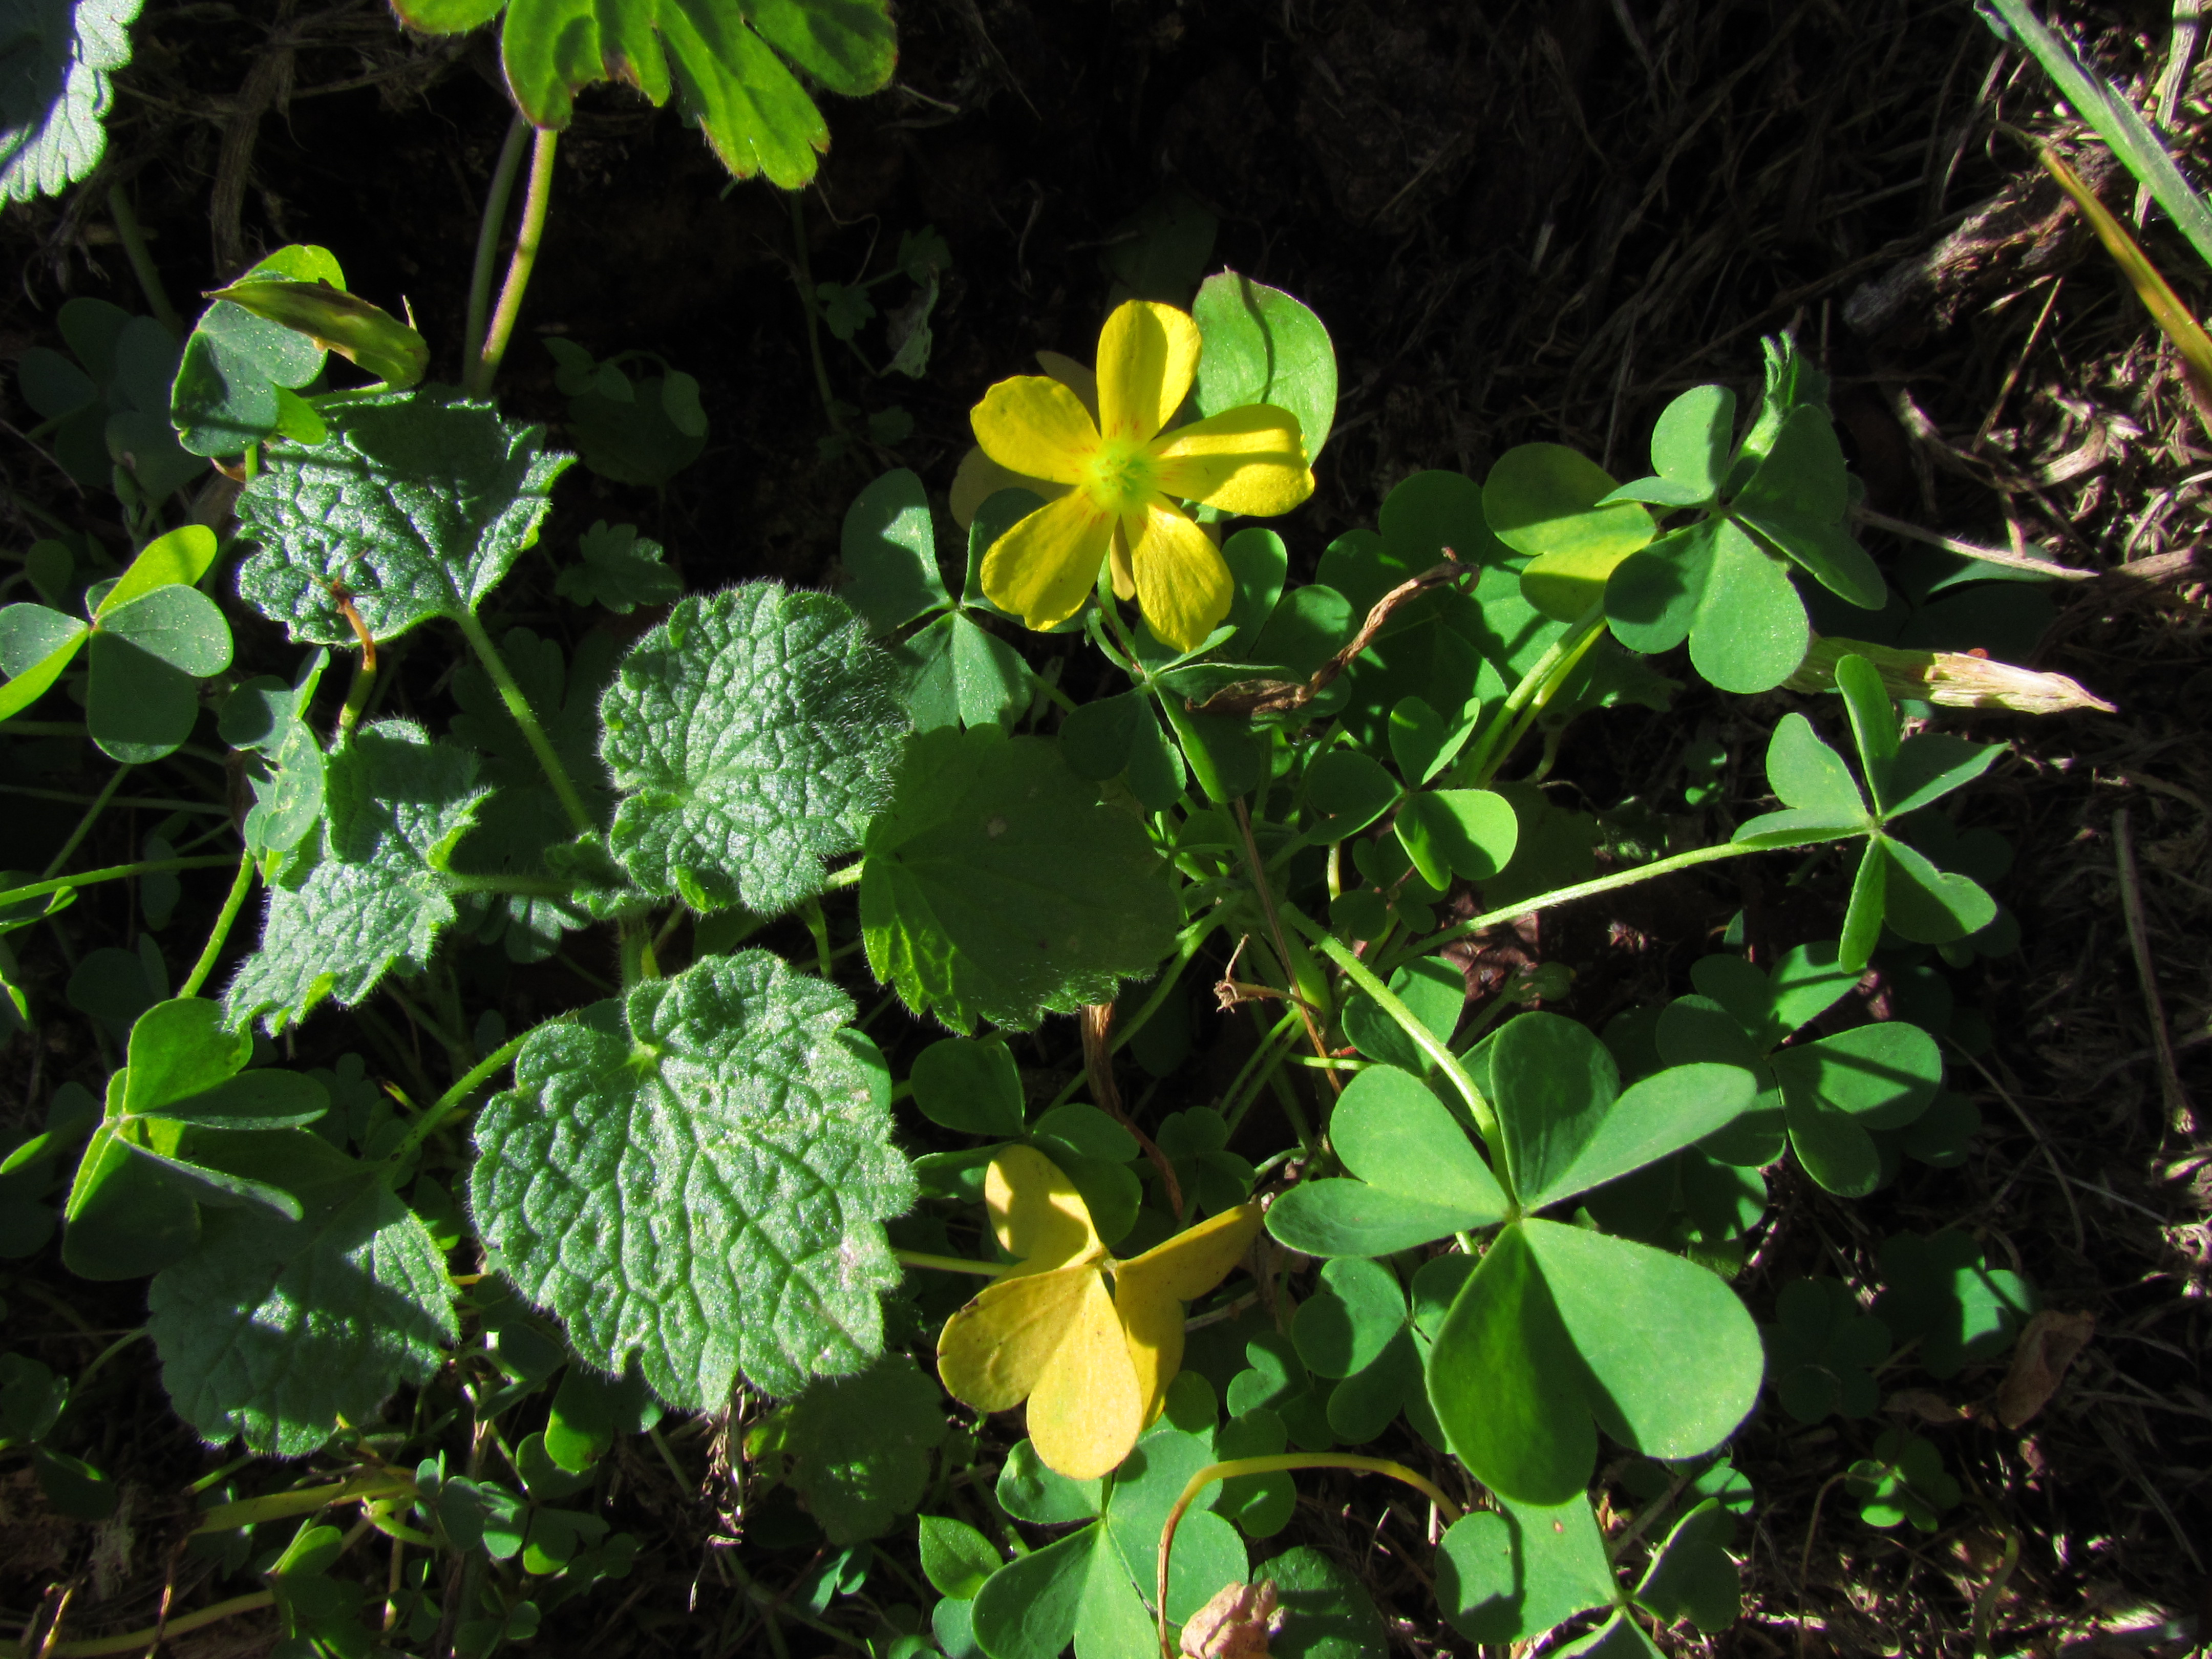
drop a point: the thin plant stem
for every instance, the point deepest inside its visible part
(955, 1264)
(148, 803)
(1619, 879)
(241, 885)
(141, 259)
(495, 221)
(847, 877)
(537, 198)
(519, 705)
(803, 267)
(99, 803)
(1427, 1041)
(1266, 1055)
(112, 873)
(42, 728)
(520, 886)
(1280, 1464)
(451, 1102)
(1495, 741)
(137, 1641)
(1170, 974)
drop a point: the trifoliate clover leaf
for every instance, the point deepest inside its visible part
(998, 888)
(753, 735)
(273, 1329)
(416, 503)
(622, 570)
(1820, 1350)
(860, 1446)
(366, 895)
(699, 1176)
(1939, 1290)
(1903, 1481)
(56, 91)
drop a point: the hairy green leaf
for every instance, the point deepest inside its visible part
(753, 735)
(273, 1329)
(860, 1446)
(698, 1176)
(365, 895)
(56, 91)
(416, 504)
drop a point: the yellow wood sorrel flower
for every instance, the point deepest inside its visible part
(1095, 1368)
(1122, 476)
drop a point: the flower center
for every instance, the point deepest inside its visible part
(1118, 477)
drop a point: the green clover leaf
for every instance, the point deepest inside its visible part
(1820, 1351)
(1826, 1095)
(699, 1176)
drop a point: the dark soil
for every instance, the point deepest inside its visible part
(1522, 222)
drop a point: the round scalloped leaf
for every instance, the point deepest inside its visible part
(274, 1329)
(418, 502)
(998, 887)
(753, 735)
(57, 92)
(699, 1177)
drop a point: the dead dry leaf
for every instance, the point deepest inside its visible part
(2051, 1343)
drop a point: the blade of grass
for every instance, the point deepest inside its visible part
(2173, 317)
(2116, 120)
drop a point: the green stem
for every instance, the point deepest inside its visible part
(495, 221)
(140, 1641)
(536, 200)
(519, 705)
(142, 260)
(149, 803)
(521, 886)
(954, 1264)
(357, 700)
(112, 873)
(42, 728)
(1267, 1055)
(1427, 1041)
(450, 1103)
(1279, 1464)
(1619, 879)
(804, 267)
(847, 877)
(241, 885)
(91, 817)
(1505, 728)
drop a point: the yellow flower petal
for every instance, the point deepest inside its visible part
(1035, 426)
(1042, 570)
(1125, 572)
(1087, 1409)
(1147, 356)
(1182, 582)
(980, 477)
(995, 1349)
(1148, 1293)
(1251, 459)
(1036, 1212)
(1079, 378)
